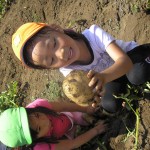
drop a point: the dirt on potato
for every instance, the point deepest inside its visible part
(75, 87)
(124, 19)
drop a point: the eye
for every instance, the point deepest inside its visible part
(54, 42)
(36, 115)
(38, 129)
(52, 61)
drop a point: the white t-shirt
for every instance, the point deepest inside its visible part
(99, 40)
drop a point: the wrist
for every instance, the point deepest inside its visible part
(104, 77)
(81, 108)
(84, 109)
(87, 109)
(95, 132)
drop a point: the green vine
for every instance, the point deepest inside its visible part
(10, 97)
(135, 93)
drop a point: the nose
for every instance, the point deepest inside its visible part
(61, 54)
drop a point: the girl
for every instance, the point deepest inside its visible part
(39, 126)
(112, 64)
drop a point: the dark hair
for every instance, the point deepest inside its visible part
(43, 33)
(48, 139)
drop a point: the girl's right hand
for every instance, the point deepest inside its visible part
(101, 127)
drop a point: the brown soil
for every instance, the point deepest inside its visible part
(120, 18)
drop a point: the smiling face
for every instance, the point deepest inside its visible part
(40, 123)
(54, 50)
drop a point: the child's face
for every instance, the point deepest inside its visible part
(54, 51)
(40, 123)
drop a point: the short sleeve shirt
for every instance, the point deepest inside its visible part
(99, 41)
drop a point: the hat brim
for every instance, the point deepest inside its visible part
(25, 125)
(32, 33)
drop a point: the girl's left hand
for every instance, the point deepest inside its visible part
(97, 81)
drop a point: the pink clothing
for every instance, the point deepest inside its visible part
(62, 125)
(44, 146)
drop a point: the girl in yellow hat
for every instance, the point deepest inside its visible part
(112, 63)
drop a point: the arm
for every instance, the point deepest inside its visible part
(82, 139)
(122, 63)
(61, 106)
(121, 66)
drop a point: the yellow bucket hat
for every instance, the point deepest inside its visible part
(22, 35)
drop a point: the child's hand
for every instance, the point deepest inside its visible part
(94, 106)
(100, 127)
(97, 81)
(90, 110)
(96, 101)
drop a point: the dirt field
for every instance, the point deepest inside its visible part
(122, 18)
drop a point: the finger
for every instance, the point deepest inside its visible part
(93, 82)
(97, 99)
(102, 93)
(98, 86)
(94, 105)
(98, 93)
(90, 74)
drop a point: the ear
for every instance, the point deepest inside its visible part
(57, 28)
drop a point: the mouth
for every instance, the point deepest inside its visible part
(70, 53)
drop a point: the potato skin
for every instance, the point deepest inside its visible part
(75, 87)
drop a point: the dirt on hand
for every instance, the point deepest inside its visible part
(126, 20)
